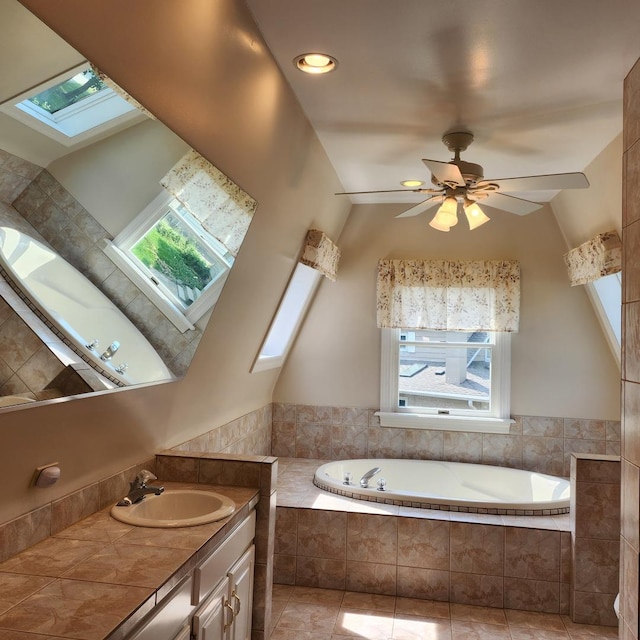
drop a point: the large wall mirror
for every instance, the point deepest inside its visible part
(79, 210)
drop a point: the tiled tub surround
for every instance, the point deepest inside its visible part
(329, 541)
(595, 541)
(72, 231)
(99, 577)
(542, 444)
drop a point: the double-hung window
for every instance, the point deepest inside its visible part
(446, 343)
(173, 259)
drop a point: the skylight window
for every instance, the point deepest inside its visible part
(72, 107)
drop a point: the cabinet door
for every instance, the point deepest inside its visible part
(241, 595)
(214, 618)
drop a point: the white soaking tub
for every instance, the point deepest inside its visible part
(77, 310)
(451, 486)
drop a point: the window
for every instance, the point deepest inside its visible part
(288, 318)
(445, 379)
(180, 266)
(72, 107)
(608, 304)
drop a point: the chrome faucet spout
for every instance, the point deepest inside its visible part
(138, 489)
(364, 481)
(110, 351)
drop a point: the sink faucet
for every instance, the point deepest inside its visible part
(138, 489)
(364, 481)
(110, 351)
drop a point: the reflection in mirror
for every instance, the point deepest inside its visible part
(108, 278)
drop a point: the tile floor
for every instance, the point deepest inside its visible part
(306, 613)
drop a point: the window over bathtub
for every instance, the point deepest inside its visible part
(446, 343)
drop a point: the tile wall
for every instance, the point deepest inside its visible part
(630, 544)
(595, 540)
(542, 444)
(443, 559)
(71, 230)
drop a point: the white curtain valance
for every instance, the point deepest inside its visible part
(220, 205)
(600, 256)
(449, 295)
(321, 253)
(116, 88)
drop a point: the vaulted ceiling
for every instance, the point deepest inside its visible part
(538, 83)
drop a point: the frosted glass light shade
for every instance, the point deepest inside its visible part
(446, 216)
(475, 215)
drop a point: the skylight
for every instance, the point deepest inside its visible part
(71, 107)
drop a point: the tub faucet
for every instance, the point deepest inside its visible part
(364, 481)
(110, 351)
(138, 489)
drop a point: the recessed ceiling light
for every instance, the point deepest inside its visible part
(315, 63)
(412, 183)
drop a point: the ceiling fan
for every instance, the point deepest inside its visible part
(460, 183)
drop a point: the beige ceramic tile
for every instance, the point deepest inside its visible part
(97, 527)
(370, 577)
(535, 595)
(472, 613)
(367, 623)
(423, 543)
(356, 600)
(308, 617)
(320, 572)
(534, 620)
(420, 628)
(16, 587)
(532, 554)
(313, 595)
(322, 534)
(431, 584)
(470, 588)
(51, 557)
(463, 630)
(423, 608)
(538, 634)
(66, 606)
(372, 538)
(477, 548)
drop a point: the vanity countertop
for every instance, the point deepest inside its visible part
(98, 578)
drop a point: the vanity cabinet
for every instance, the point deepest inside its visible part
(214, 601)
(226, 613)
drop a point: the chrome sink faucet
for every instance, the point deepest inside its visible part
(110, 351)
(364, 481)
(138, 489)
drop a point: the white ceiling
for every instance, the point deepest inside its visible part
(538, 82)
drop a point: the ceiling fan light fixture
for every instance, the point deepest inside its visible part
(475, 215)
(412, 183)
(446, 216)
(315, 63)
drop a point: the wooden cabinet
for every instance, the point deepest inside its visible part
(214, 601)
(226, 613)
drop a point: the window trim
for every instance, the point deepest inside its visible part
(289, 315)
(497, 421)
(104, 111)
(116, 250)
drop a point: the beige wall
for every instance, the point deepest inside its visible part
(116, 178)
(234, 107)
(561, 365)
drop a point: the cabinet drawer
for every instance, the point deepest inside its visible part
(171, 615)
(214, 568)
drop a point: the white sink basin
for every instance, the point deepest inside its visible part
(176, 508)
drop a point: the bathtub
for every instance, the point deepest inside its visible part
(450, 486)
(78, 310)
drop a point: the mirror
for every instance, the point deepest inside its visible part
(73, 198)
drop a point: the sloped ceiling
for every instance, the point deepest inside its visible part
(538, 83)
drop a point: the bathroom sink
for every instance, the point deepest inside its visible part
(176, 508)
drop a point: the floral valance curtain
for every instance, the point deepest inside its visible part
(220, 205)
(449, 295)
(117, 89)
(600, 256)
(321, 253)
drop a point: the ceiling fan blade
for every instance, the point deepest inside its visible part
(358, 193)
(445, 172)
(421, 207)
(551, 182)
(511, 204)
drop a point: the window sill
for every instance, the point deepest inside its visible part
(444, 423)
